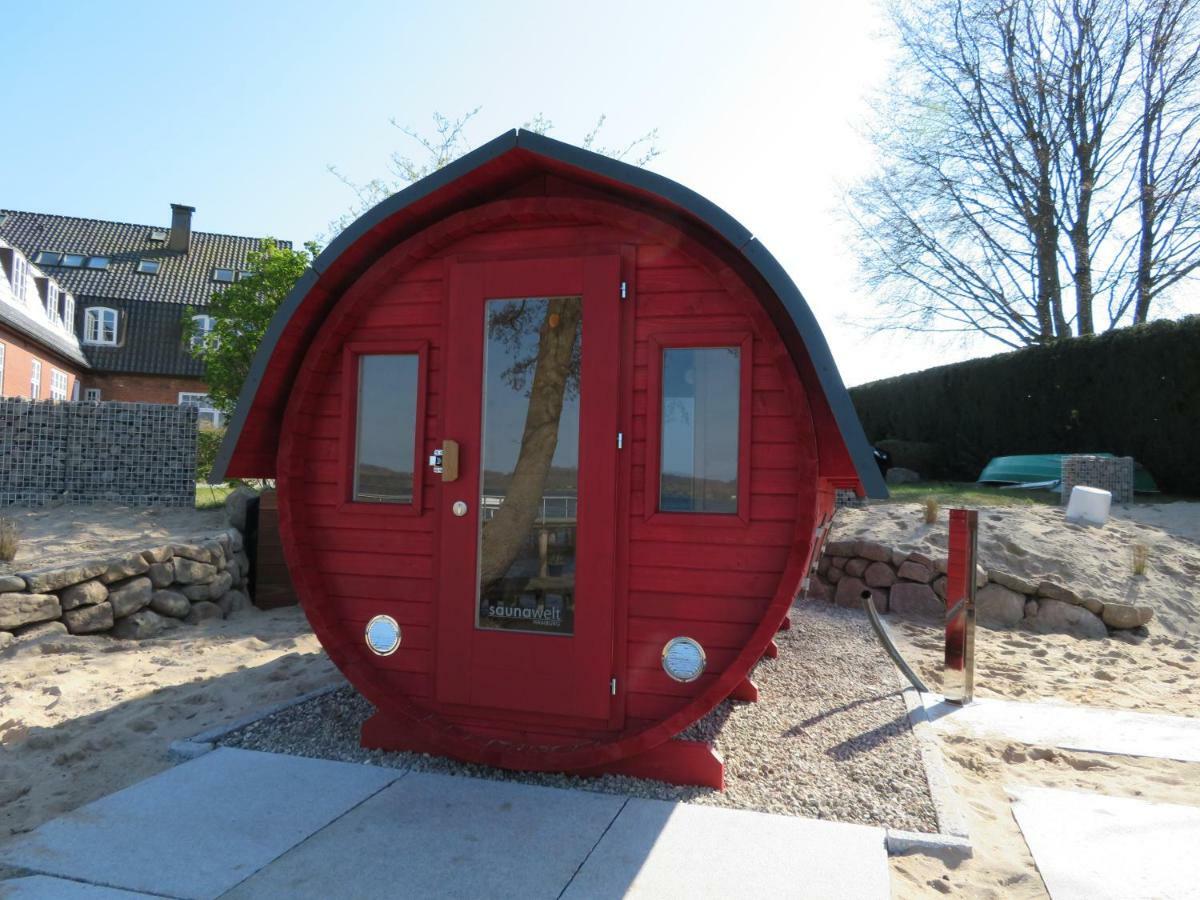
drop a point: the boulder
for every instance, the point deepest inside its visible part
(203, 610)
(999, 607)
(237, 504)
(124, 567)
(243, 561)
(835, 575)
(939, 586)
(235, 601)
(157, 554)
(195, 592)
(817, 590)
(6, 640)
(873, 551)
(879, 575)
(1125, 615)
(85, 593)
(39, 632)
(170, 603)
(981, 575)
(901, 475)
(142, 624)
(850, 591)
(24, 609)
(1054, 591)
(898, 558)
(10, 583)
(914, 571)
(920, 558)
(1066, 618)
(194, 552)
(52, 579)
(235, 539)
(161, 574)
(840, 548)
(1031, 608)
(89, 619)
(822, 566)
(838, 562)
(909, 598)
(222, 583)
(856, 567)
(188, 571)
(130, 596)
(1014, 582)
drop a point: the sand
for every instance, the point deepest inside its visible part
(72, 533)
(1157, 672)
(81, 717)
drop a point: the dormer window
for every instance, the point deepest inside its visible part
(201, 326)
(97, 262)
(51, 301)
(20, 272)
(148, 266)
(223, 275)
(100, 325)
(47, 258)
(73, 260)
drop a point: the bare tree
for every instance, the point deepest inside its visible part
(1008, 143)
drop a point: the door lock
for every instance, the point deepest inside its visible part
(444, 460)
(459, 508)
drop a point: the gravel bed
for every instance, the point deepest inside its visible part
(828, 739)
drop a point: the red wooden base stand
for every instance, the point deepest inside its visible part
(675, 762)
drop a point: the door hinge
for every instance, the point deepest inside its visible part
(620, 440)
(612, 686)
(624, 290)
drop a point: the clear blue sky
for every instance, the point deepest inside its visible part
(237, 109)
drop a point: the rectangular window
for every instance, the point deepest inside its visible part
(225, 275)
(47, 258)
(58, 385)
(35, 379)
(73, 260)
(20, 273)
(148, 266)
(97, 262)
(701, 391)
(207, 415)
(386, 428)
(92, 394)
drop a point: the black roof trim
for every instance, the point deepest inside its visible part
(641, 179)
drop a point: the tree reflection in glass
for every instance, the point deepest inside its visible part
(530, 465)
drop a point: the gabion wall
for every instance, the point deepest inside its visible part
(133, 454)
(1112, 474)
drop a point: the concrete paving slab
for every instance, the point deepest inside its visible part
(1070, 727)
(1094, 847)
(198, 829)
(47, 887)
(662, 850)
(433, 835)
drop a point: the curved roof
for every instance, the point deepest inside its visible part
(252, 438)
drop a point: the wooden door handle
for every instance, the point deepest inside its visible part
(449, 460)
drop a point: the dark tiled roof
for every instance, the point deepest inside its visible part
(150, 336)
(182, 277)
(41, 334)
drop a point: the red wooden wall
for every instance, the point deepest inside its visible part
(714, 583)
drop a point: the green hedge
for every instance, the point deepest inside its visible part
(1133, 392)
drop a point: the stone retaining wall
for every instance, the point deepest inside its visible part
(912, 584)
(134, 595)
(134, 454)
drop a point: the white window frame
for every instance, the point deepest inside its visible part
(20, 274)
(58, 384)
(219, 280)
(51, 306)
(204, 405)
(203, 325)
(69, 314)
(91, 394)
(94, 334)
(35, 379)
(155, 265)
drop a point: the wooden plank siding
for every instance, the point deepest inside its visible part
(713, 583)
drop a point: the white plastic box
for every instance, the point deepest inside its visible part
(1088, 505)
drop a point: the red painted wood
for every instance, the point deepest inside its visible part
(786, 624)
(727, 585)
(746, 691)
(772, 651)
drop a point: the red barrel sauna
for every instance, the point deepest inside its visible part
(556, 441)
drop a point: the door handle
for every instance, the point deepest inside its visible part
(444, 461)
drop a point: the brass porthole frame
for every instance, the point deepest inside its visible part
(676, 641)
(367, 633)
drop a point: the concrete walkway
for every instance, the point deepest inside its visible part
(241, 824)
(1070, 727)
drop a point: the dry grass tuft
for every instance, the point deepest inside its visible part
(930, 508)
(10, 537)
(1139, 556)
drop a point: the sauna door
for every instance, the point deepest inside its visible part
(527, 529)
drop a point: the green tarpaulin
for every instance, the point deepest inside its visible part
(1043, 467)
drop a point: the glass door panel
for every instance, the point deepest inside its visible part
(529, 479)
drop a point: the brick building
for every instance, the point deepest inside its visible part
(132, 286)
(40, 356)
